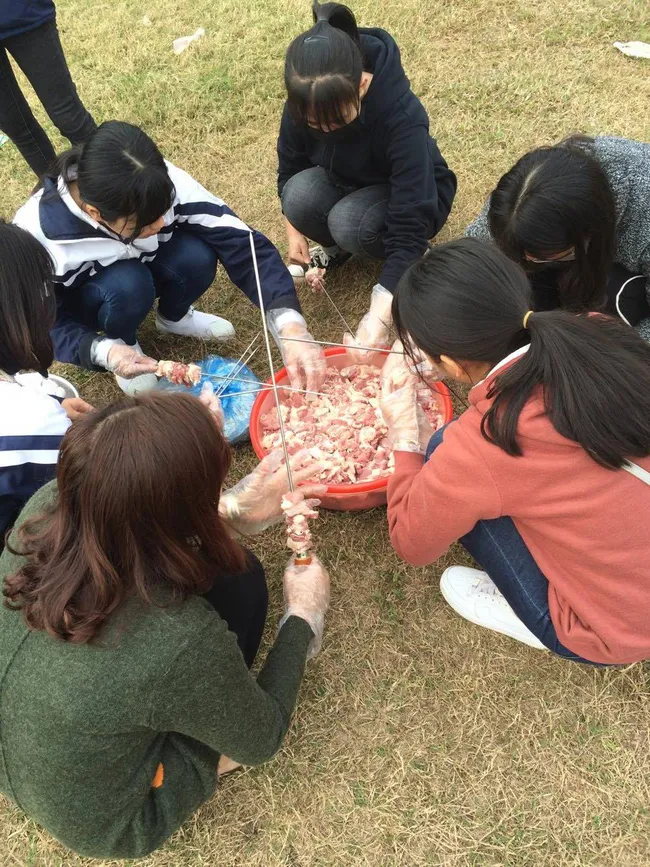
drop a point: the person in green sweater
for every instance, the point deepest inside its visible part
(130, 622)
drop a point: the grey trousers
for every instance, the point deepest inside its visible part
(332, 213)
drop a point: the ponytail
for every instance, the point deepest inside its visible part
(339, 16)
(64, 166)
(467, 300)
(323, 68)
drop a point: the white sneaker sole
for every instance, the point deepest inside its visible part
(459, 603)
(226, 332)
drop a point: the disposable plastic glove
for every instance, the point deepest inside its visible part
(210, 400)
(307, 595)
(375, 327)
(254, 503)
(305, 362)
(399, 408)
(126, 361)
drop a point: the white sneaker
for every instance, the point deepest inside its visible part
(204, 326)
(139, 384)
(476, 597)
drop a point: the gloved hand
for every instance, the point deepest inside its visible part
(75, 407)
(399, 408)
(255, 503)
(375, 327)
(126, 361)
(210, 400)
(305, 362)
(307, 595)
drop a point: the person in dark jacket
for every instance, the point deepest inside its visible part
(29, 33)
(358, 171)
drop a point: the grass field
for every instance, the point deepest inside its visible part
(419, 739)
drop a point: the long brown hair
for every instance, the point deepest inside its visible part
(139, 486)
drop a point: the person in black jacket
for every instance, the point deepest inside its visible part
(358, 171)
(29, 33)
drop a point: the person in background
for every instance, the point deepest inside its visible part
(32, 420)
(545, 479)
(358, 170)
(575, 216)
(28, 33)
(125, 227)
(132, 617)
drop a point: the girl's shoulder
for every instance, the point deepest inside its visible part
(30, 412)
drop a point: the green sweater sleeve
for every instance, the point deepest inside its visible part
(210, 695)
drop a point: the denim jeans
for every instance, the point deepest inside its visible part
(331, 212)
(39, 54)
(117, 299)
(498, 548)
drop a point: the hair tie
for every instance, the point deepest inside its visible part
(526, 318)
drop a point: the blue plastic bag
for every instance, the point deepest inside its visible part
(236, 407)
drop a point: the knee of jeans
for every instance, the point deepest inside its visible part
(126, 287)
(298, 197)
(344, 229)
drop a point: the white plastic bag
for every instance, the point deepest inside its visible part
(634, 49)
(179, 45)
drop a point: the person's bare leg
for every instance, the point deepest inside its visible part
(227, 765)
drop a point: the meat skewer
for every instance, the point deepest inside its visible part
(178, 373)
(298, 514)
(302, 558)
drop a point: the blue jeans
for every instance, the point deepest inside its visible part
(117, 299)
(498, 548)
(337, 213)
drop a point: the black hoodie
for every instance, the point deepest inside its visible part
(393, 146)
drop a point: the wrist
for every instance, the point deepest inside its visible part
(100, 348)
(408, 444)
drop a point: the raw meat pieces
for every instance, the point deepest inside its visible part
(298, 515)
(315, 277)
(344, 429)
(179, 374)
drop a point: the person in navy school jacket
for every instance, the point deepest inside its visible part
(29, 33)
(32, 419)
(358, 171)
(124, 227)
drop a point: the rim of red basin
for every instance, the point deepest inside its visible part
(357, 487)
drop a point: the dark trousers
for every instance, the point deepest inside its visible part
(626, 293)
(242, 601)
(498, 548)
(332, 213)
(117, 299)
(39, 54)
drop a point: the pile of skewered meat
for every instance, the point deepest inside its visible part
(298, 514)
(343, 429)
(179, 374)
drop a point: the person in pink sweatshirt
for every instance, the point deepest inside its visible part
(545, 478)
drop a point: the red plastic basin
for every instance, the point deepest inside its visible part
(341, 498)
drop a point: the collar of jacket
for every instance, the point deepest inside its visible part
(58, 222)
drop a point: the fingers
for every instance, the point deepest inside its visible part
(272, 462)
(295, 375)
(304, 474)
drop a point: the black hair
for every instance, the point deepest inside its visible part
(120, 171)
(467, 300)
(323, 68)
(27, 301)
(552, 199)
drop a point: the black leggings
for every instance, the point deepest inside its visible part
(242, 601)
(626, 293)
(39, 54)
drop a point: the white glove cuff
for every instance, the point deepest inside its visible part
(282, 316)
(100, 348)
(229, 507)
(408, 445)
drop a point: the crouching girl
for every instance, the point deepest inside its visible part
(131, 620)
(545, 479)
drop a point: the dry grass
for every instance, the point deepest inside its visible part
(419, 739)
